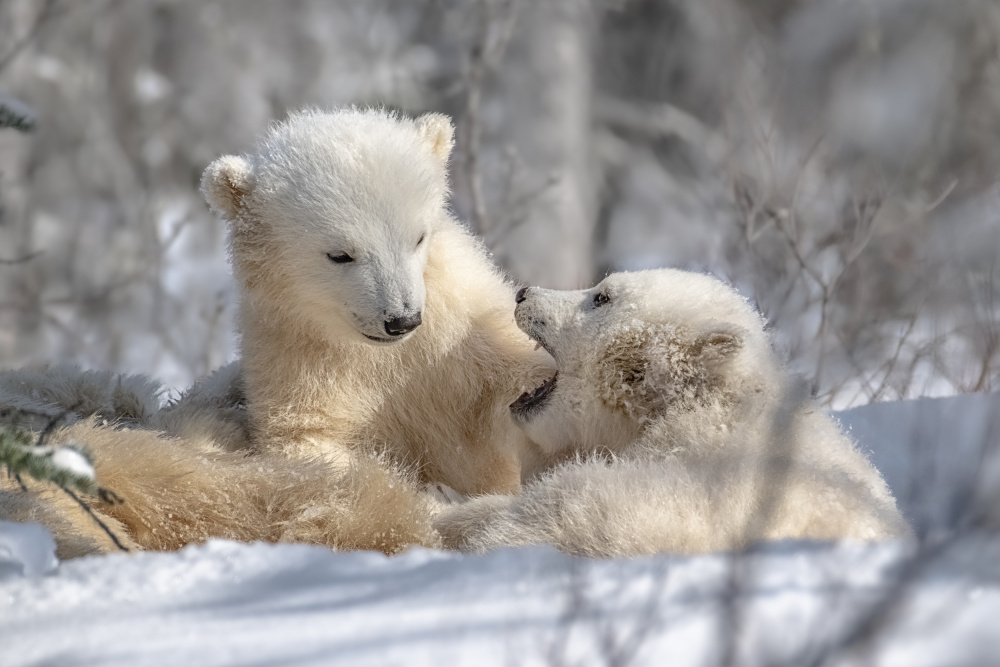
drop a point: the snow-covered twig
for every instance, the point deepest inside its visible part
(67, 466)
(70, 467)
(16, 114)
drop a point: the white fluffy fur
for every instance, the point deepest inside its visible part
(680, 430)
(183, 476)
(319, 433)
(66, 391)
(371, 185)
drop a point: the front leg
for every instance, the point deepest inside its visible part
(587, 508)
(482, 524)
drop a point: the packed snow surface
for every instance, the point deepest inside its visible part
(933, 602)
(225, 603)
(26, 549)
(940, 456)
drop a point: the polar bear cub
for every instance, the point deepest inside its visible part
(671, 426)
(371, 322)
(369, 316)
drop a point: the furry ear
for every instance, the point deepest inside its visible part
(629, 370)
(646, 369)
(225, 183)
(437, 129)
(718, 343)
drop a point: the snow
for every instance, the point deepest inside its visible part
(224, 603)
(73, 462)
(933, 602)
(26, 549)
(935, 453)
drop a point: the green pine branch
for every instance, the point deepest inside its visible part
(68, 466)
(16, 114)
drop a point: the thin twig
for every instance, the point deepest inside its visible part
(97, 519)
(22, 260)
(44, 16)
(54, 422)
(940, 198)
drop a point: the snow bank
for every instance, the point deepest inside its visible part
(26, 549)
(793, 603)
(224, 603)
(940, 456)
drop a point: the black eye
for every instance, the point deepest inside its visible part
(342, 258)
(421, 239)
(600, 299)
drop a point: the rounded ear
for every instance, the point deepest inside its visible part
(646, 369)
(437, 129)
(718, 343)
(628, 372)
(225, 183)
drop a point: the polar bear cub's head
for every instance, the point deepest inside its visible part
(635, 349)
(333, 216)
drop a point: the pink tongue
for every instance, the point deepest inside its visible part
(537, 345)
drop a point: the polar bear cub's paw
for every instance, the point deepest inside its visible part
(479, 524)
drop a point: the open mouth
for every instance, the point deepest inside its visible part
(530, 401)
(539, 341)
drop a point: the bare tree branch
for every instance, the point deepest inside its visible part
(44, 16)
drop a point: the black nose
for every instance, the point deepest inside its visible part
(521, 295)
(398, 326)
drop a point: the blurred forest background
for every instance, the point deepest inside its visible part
(838, 160)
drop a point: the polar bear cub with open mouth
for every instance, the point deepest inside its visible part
(671, 426)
